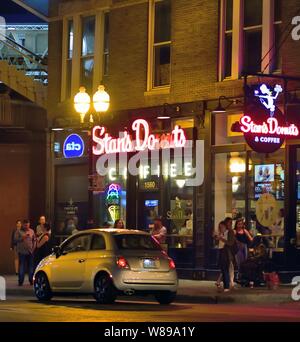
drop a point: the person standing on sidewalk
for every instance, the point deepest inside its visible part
(40, 227)
(43, 245)
(26, 243)
(243, 238)
(226, 240)
(13, 245)
(229, 225)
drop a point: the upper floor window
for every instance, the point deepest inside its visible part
(85, 55)
(87, 52)
(228, 38)
(277, 64)
(106, 45)
(159, 64)
(250, 37)
(69, 57)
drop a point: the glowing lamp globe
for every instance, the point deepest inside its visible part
(82, 102)
(101, 100)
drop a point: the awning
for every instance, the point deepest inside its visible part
(39, 8)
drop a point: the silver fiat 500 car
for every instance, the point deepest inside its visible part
(107, 263)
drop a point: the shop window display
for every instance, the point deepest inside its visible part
(266, 197)
(229, 186)
(110, 202)
(251, 185)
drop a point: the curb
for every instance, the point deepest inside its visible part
(238, 298)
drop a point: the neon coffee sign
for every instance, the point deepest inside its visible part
(141, 140)
(264, 126)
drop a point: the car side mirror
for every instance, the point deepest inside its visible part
(57, 251)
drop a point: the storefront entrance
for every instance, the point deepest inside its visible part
(149, 207)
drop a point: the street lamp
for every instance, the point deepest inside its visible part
(82, 104)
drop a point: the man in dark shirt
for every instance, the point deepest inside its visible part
(26, 244)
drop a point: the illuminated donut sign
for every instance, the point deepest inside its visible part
(141, 140)
(264, 125)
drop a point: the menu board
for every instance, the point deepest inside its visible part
(269, 179)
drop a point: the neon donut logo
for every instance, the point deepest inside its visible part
(268, 97)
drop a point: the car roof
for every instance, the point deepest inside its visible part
(113, 231)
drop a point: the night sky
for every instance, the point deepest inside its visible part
(14, 13)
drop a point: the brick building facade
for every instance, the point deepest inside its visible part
(197, 43)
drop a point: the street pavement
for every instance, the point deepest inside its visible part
(86, 310)
(198, 301)
(202, 292)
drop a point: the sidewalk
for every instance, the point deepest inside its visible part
(194, 291)
(206, 292)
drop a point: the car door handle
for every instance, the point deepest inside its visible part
(81, 261)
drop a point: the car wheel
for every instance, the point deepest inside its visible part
(41, 287)
(104, 290)
(165, 297)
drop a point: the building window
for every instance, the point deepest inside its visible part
(250, 41)
(277, 56)
(252, 35)
(106, 45)
(228, 38)
(159, 44)
(69, 58)
(87, 52)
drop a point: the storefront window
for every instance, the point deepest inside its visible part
(181, 216)
(251, 186)
(226, 136)
(298, 199)
(110, 202)
(71, 201)
(266, 196)
(229, 186)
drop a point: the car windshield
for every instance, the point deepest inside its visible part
(136, 241)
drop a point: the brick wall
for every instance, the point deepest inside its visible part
(194, 69)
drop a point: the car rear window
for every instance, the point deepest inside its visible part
(136, 241)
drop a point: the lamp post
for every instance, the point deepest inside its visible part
(82, 105)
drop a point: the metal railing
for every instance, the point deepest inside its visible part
(33, 65)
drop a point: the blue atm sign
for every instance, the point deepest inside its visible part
(73, 146)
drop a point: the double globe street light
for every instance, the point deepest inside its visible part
(82, 105)
(82, 102)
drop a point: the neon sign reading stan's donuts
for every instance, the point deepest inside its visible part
(142, 140)
(270, 127)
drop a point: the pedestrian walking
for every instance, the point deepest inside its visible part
(26, 243)
(13, 245)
